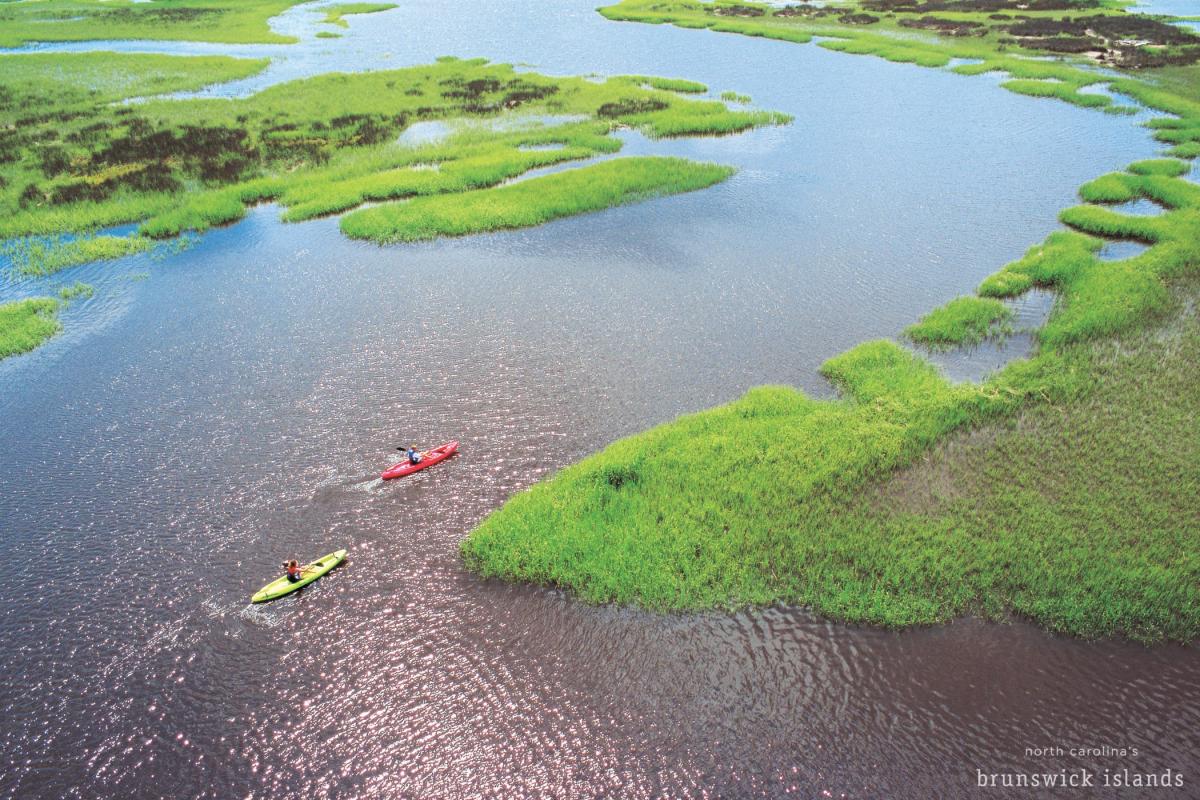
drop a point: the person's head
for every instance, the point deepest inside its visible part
(292, 564)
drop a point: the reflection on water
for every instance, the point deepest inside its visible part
(1119, 250)
(1140, 207)
(191, 430)
(425, 132)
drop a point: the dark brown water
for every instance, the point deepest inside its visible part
(192, 428)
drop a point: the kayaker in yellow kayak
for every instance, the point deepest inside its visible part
(295, 572)
(298, 576)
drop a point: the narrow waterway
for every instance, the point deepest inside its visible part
(210, 413)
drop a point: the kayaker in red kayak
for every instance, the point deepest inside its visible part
(415, 460)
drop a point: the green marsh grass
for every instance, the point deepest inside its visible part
(1185, 150)
(1080, 515)
(534, 201)
(1171, 167)
(205, 210)
(777, 497)
(889, 49)
(75, 291)
(39, 256)
(1052, 264)
(58, 81)
(708, 510)
(25, 324)
(1062, 91)
(761, 500)
(82, 160)
(1119, 187)
(668, 84)
(1113, 225)
(1103, 298)
(1081, 525)
(335, 15)
(962, 321)
(233, 21)
(473, 159)
(84, 216)
(991, 51)
(326, 144)
(1112, 188)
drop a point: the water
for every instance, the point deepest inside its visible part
(1138, 208)
(193, 428)
(1120, 249)
(1175, 8)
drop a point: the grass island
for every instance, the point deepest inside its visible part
(79, 156)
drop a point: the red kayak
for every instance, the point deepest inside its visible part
(428, 459)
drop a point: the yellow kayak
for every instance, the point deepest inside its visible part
(309, 572)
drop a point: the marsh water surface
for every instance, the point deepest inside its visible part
(208, 414)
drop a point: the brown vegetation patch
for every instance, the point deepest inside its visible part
(736, 11)
(489, 95)
(1067, 44)
(1143, 58)
(626, 108)
(170, 16)
(1128, 40)
(947, 27)
(805, 11)
(924, 6)
(1114, 27)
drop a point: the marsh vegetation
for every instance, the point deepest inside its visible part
(189, 20)
(25, 324)
(336, 15)
(964, 320)
(1098, 30)
(76, 156)
(534, 201)
(779, 497)
(317, 146)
